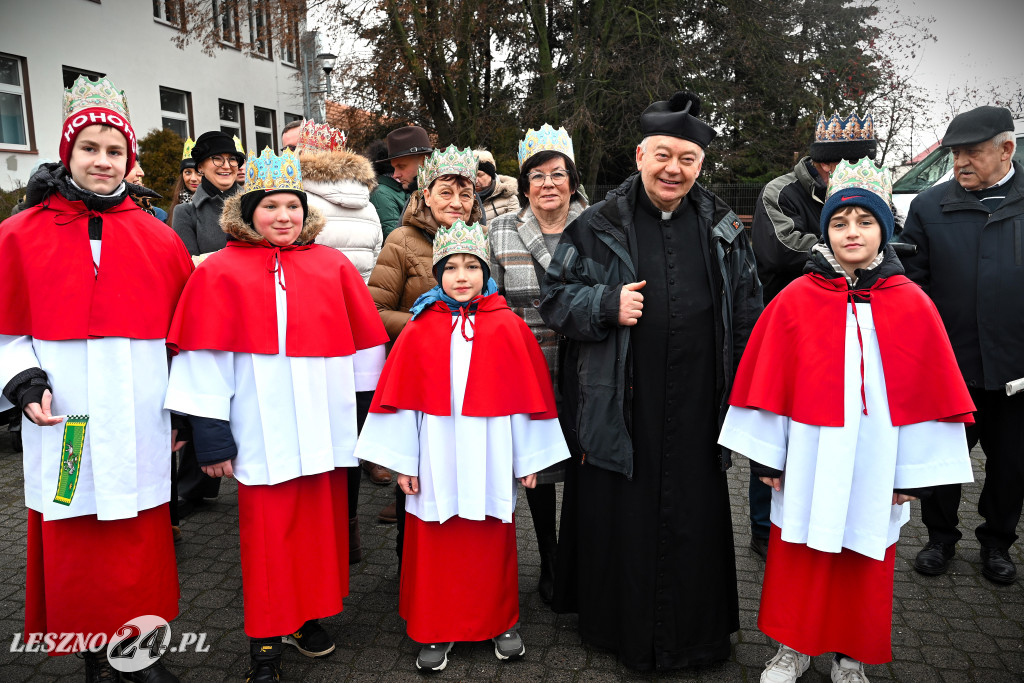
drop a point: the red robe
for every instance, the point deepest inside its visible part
(793, 363)
(51, 289)
(507, 371)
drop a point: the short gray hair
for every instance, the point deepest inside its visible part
(643, 147)
(1006, 136)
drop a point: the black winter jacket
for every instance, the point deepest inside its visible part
(786, 225)
(971, 263)
(580, 300)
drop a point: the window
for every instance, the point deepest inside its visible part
(15, 106)
(259, 28)
(266, 129)
(71, 75)
(288, 118)
(290, 38)
(176, 111)
(225, 21)
(231, 121)
(169, 12)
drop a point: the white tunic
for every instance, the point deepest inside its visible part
(290, 417)
(467, 466)
(838, 481)
(126, 456)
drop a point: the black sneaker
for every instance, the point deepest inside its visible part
(433, 656)
(264, 660)
(97, 668)
(509, 645)
(154, 673)
(311, 640)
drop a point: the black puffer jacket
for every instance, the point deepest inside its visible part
(971, 263)
(580, 300)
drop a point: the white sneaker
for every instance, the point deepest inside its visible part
(848, 670)
(785, 667)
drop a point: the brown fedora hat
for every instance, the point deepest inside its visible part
(406, 141)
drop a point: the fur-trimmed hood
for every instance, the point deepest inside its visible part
(332, 167)
(504, 186)
(231, 222)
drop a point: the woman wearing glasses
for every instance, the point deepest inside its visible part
(198, 223)
(521, 244)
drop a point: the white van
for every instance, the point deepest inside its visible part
(935, 168)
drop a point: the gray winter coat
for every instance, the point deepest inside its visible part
(198, 223)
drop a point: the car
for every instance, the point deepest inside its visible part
(935, 168)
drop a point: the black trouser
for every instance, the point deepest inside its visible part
(999, 426)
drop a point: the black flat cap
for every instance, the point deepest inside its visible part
(977, 125)
(677, 117)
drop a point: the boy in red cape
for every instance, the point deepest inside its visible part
(849, 403)
(88, 286)
(464, 407)
(274, 336)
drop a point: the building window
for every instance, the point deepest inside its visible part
(176, 111)
(71, 75)
(259, 28)
(169, 12)
(288, 118)
(266, 129)
(290, 38)
(225, 20)
(231, 121)
(15, 105)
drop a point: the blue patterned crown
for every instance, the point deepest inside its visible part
(452, 161)
(460, 239)
(545, 139)
(838, 129)
(271, 172)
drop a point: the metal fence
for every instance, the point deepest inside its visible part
(740, 196)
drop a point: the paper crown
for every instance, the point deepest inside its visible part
(838, 129)
(545, 139)
(320, 137)
(460, 239)
(451, 161)
(864, 175)
(268, 172)
(86, 93)
(186, 152)
(238, 144)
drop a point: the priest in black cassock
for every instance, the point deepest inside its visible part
(656, 291)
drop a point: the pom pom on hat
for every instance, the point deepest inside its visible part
(677, 117)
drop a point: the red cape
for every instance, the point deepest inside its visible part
(50, 289)
(507, 371)
(229, 303)
(793, 363)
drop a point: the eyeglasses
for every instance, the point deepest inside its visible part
(446, 195)
(220, 161)
(557, 178)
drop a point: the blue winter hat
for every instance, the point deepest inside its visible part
(860, 184)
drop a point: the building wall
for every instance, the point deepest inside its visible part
(121, 39)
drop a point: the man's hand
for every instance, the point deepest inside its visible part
(900, 498)
(631, 303)
(40, 412)
(175, 444)
(221, 469)
(410, 486)
(774, 482)
(529, 481)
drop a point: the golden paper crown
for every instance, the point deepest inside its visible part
(320, 137)
(271, 172)
(460, 239)
(864, 175)
(451, 161)
(238, 144)
(544, 140)
(186, 152)
(86, 93)
(838, 129)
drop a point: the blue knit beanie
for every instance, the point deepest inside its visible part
(858, 196)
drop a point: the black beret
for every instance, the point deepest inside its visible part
(977, 125)
(677, 117)
(215, 142)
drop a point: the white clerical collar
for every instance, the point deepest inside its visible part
(1005, 179)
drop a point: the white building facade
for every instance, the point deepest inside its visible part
(46, 44)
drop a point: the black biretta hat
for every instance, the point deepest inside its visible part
(677, 117)
(977, 125)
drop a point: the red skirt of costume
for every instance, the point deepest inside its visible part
(460, 579)
(86, 576)
(294, 541)
(817, 602)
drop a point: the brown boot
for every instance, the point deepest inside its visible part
(355, 543)
(378, 475)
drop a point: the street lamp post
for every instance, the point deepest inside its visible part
(327, 61)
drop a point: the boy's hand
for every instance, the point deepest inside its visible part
(410, 486)
(529, 481)
(175, 444)
(774, 482)
(40, 412)
(901, 498)
(221, 469)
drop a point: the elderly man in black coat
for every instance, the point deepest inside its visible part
(969, 234)
(656, 291)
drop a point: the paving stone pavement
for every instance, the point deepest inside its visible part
(948, 629)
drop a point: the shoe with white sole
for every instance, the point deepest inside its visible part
(433, 656)
(785, 667)
(848, 670)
